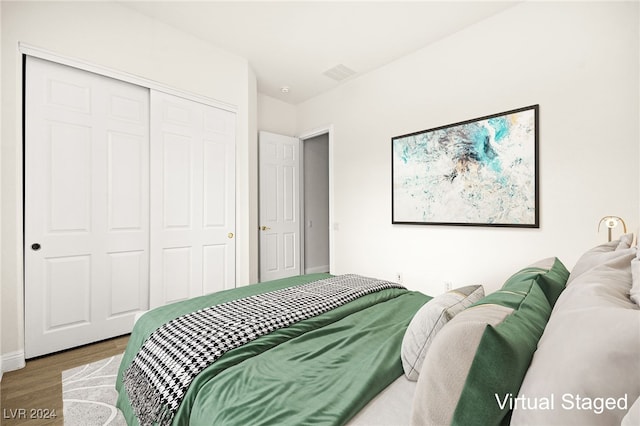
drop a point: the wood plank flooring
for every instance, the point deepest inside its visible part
(33, 393)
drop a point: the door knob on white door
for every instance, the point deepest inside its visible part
(265, 228)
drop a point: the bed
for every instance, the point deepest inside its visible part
(549, 347)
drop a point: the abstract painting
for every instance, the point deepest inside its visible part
(481, 172)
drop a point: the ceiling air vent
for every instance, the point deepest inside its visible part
(339, 72)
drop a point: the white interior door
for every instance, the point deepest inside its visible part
(86, 206)
(279, 206)
(192, 199)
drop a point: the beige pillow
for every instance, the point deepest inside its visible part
(485, 351)
(589, 352)
(442, 381)
(429, 320)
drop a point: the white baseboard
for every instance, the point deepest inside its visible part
(13, 361)
(316, 269)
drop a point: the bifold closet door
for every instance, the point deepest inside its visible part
(192, 199)
(86, 206)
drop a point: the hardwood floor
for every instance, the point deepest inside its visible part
(33, 393)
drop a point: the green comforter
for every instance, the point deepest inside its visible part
(322, 370)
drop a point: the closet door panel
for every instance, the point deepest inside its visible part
(69, 150)
(192, 199)
(127, 179)
(177, 177)
(86, 206)
(215, 269)
(127, 270)
(215, 183)
(176, 274)
(67, 278)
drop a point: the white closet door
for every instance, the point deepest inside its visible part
(86, 206)
(192, 199)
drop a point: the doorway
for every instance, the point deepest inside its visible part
(315, 204)
(295, 201)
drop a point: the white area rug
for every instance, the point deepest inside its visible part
(89, 394)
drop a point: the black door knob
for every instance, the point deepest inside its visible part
(35, 246)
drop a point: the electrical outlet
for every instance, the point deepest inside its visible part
(447, 285)
(399, 277)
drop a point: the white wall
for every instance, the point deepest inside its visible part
(113, 36)
(1, 369)
(275, 116)
(250, 194)
(579, 61)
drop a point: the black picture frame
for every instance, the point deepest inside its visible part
(477, 172)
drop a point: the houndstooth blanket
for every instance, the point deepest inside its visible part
(174, 354)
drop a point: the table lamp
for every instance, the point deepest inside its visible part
(611, 222)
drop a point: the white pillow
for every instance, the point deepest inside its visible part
(625, 241)
(632, 418)
(429, 320)
(597, 256)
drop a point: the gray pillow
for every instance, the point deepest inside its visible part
(429, 320)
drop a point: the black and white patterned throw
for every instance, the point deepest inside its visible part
(174, 354)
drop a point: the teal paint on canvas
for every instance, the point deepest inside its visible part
(478, 172)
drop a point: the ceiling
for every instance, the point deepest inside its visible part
(293, 43)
